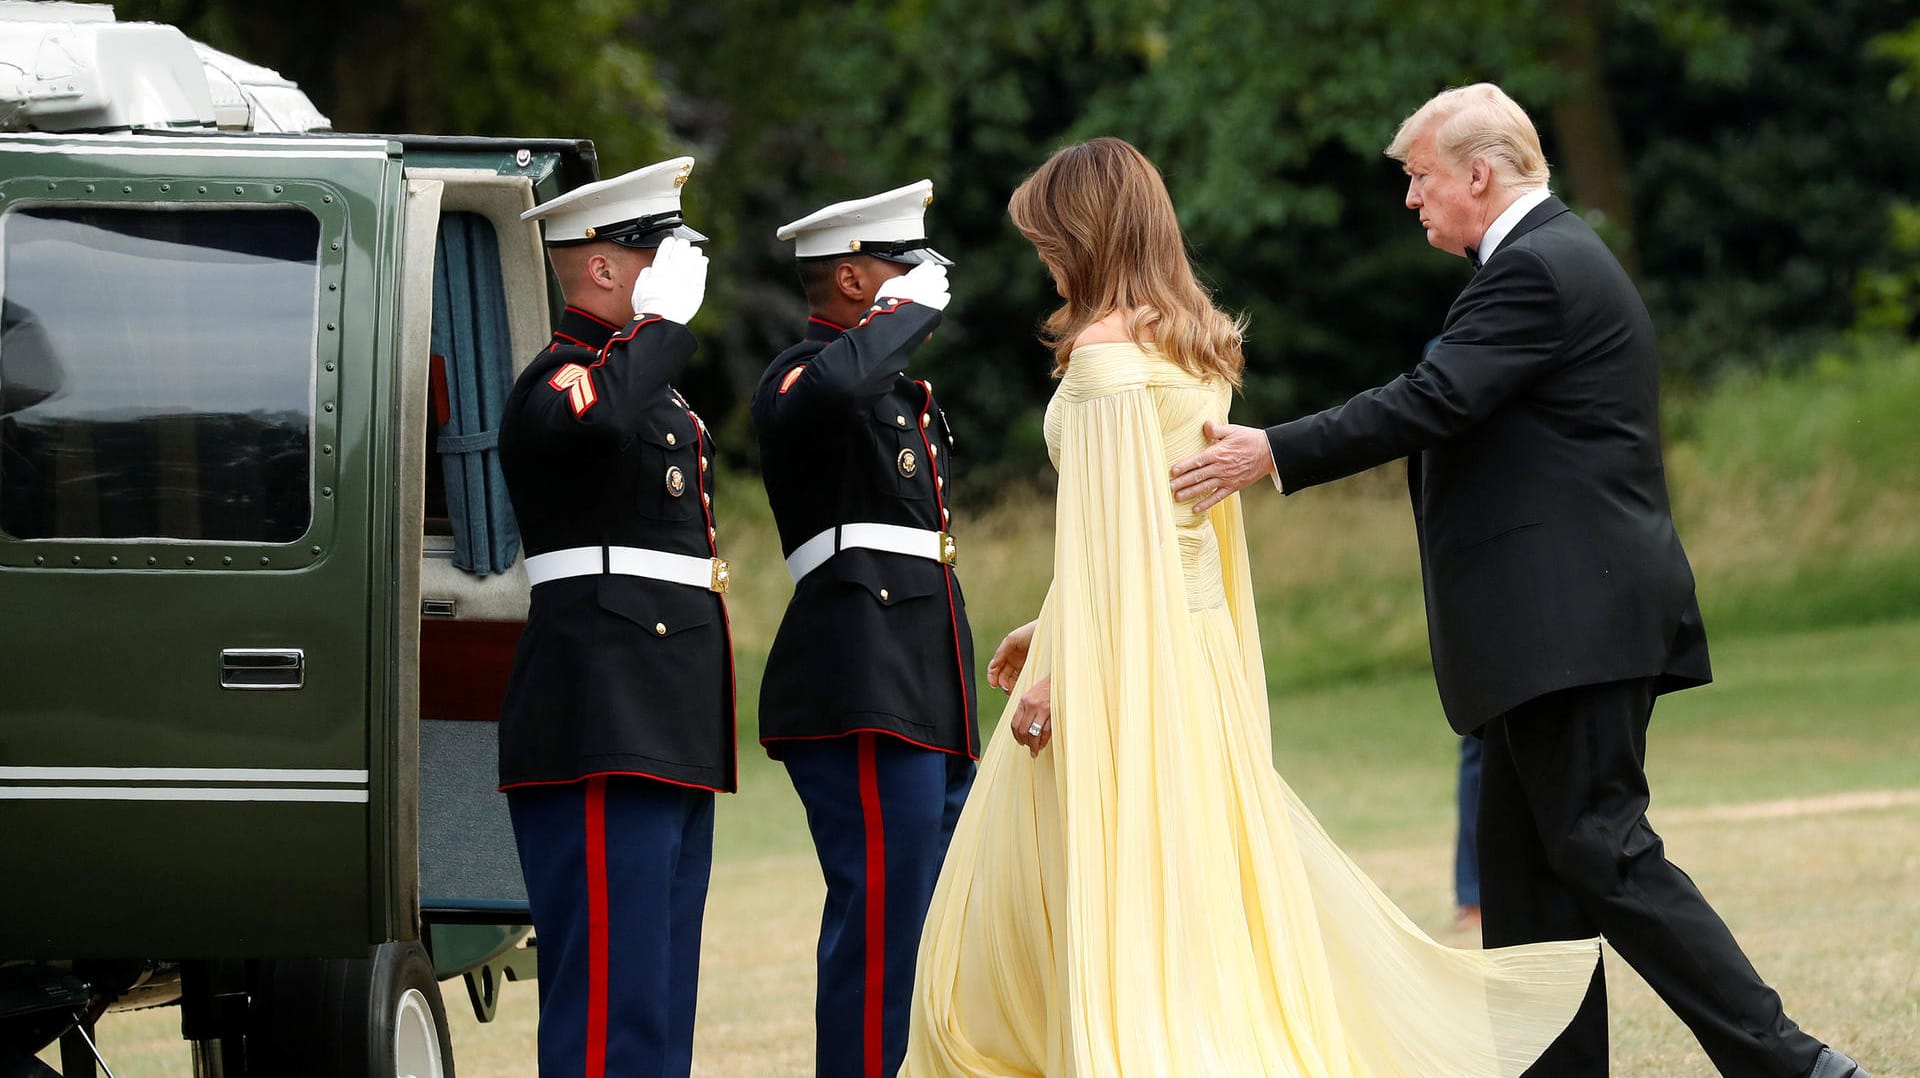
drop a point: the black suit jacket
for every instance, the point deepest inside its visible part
(871, 641)
(615, 674)
(1532, 429)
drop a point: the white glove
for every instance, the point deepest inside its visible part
(675, 284)
(925, 283)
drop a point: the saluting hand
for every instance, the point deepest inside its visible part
(1238, 457)
(675, 284)
(925, 283)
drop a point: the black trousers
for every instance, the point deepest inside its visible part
(1566, 853)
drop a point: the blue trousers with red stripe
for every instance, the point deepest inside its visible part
(616, 870)
(881, 811)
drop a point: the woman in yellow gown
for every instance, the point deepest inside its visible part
(1132, 890)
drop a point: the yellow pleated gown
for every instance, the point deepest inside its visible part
(1148, 898)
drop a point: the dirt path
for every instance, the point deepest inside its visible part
(1792, 807)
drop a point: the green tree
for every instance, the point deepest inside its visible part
(1767, 156)
(1748, 160)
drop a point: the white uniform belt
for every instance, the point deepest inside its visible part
(892, 538)
(709, 573)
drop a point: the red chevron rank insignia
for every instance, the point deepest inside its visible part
(574, 381)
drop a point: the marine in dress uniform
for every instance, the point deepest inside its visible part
(868, 697)
(618, 724)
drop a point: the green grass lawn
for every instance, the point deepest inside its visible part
(1823, 900)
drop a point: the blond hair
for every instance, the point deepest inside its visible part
(1100, 218)
(1478, 121)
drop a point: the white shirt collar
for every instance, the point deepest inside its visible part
(1503, 224)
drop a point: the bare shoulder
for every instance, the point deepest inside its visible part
(1109, 330)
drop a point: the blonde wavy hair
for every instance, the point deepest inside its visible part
(1099, 216)
(1478, 121)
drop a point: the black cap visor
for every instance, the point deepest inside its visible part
(641, 232)
(652, 239)
(905, 252)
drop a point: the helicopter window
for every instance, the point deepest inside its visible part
(157, 372)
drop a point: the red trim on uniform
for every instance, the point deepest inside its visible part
(877, 310)
(768, 741)
(577, 383)
(590, 314)
(824, 322)
(643, 322)
(597, 934)
(953, 617)
(876, 908)
(953, 614)
(607, 775)
(572, 340)
(726, 620)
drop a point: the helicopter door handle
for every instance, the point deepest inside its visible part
(263, 668)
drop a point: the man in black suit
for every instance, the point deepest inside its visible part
(1559, 601)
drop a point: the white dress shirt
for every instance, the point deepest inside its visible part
(1503, 224)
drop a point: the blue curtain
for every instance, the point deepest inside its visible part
(470, 335)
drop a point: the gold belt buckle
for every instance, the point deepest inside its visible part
(949, 550)
(722, 576)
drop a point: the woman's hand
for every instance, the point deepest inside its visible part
(1010, 658)
(1033, 717)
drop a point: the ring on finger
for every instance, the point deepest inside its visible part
(1033, 730)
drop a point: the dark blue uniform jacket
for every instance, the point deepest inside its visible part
(871, 641)
(615, 674)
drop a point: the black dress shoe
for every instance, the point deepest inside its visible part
(1832, 1064)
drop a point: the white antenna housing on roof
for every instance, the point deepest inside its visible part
(71, 67)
